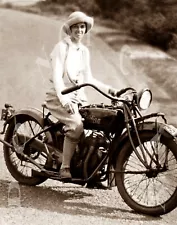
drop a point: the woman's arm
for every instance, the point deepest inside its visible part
(90, 79)
(58, 60)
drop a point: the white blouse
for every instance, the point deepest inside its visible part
(71, 66)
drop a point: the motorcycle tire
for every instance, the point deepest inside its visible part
(152, 193)
(8, 152)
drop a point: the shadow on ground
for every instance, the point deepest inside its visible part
(64, 200)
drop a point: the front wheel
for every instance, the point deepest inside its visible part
(151, 191)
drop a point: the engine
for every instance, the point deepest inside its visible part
(91, 150)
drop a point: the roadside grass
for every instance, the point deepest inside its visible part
(37, 8)
(163, 74)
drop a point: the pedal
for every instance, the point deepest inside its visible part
(39, 174)
(44, 173)
(55, 176)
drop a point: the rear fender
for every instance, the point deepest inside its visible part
(157, 128)
(34, 113)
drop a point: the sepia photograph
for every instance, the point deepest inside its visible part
(88, 112)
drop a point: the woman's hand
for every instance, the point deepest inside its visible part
(69, 108)
(112, 92)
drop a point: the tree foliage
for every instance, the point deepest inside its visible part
(153, 21)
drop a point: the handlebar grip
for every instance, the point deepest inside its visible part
(122, 91)
(68, 90)
(7, 105)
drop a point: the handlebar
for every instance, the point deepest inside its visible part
(71, 89)
(76, 87)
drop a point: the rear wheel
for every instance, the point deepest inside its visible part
(150, 191)
(20, 167)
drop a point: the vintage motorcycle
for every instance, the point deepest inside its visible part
(119, 145)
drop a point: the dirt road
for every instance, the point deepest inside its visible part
(25, 42)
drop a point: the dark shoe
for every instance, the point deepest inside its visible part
(97, 185)
(65, 174)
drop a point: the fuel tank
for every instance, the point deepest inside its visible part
(99, 117)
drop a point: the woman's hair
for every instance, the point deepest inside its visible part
(86, 27)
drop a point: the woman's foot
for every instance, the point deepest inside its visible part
(65, 174)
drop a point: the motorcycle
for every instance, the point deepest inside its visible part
(119, 146)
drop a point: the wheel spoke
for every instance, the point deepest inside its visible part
(31, 127)
(23, 169)
(150, 156)
(132, 192)
(154, 192)
(133, 167)
(146, 190)
(166, 184)
(143, 192)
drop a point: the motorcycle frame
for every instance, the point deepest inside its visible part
(130, 123)
(50, 128)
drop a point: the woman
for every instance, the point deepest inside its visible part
(71, 65)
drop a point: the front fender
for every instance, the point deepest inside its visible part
(157, 128)
(166, 130)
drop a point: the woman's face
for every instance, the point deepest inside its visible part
(77, 31)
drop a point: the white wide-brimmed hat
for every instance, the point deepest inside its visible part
(77, 17)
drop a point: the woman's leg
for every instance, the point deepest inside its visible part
(73, 128)
(73, 132)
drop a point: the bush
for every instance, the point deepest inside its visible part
(113, 5)
(51, 8)
(7, 5)
(155, 30)
(138, 28)
(71, 8)
(89, 7)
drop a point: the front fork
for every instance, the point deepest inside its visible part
(142, 157)
(142, 147)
